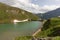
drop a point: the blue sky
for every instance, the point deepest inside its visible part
(35, 6)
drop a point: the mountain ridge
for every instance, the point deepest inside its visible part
(50, 14)
(8, 14)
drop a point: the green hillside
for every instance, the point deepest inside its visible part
(51, 28)
(8, 13)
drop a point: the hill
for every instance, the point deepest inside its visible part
(49, 31)
(51, 28)
(8, 14)
(50, 14)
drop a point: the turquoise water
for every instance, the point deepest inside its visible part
(10, 31)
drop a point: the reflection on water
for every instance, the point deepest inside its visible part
(10, 31)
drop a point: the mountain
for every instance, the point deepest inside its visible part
(8, 14)
(39, 15)
(50, 14)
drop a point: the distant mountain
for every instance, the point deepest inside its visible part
(50, 14)
(40, 15)
(8, 14)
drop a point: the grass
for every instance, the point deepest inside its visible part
(24, 38)
(50, 28)
(56, 38)
(8, 13)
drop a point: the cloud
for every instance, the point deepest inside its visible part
(50, 7)
(29, 6)
(57, 0)
(47, 8)
(35, 8)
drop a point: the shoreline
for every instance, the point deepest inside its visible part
(38, 29)
(36, 32)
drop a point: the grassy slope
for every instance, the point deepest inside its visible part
(8, 13)
(51, 28)
(24, 38)
(48, 29)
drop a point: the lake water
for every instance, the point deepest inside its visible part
(11, 31)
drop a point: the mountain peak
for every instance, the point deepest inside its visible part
(58, 9)
(51, 14)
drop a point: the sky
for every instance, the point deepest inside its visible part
(34, 6)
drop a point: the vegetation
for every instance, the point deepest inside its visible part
(51, 28)
(8, 14)
(24, 38)
(56, 38)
